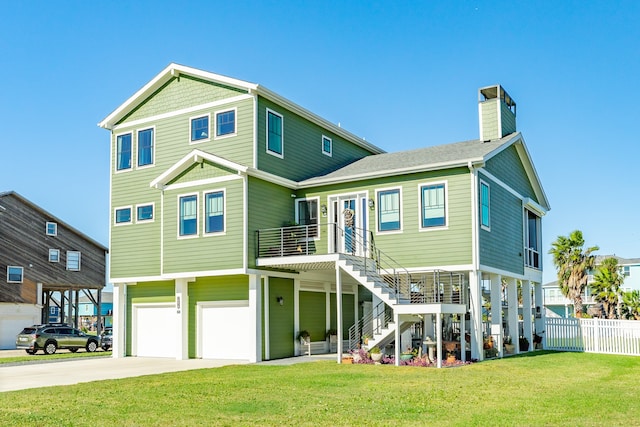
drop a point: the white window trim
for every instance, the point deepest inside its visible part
(297, 213)
(115, 157)
(400, 230)
(224, 213)
(266, 136)
(21, 274)
(55, 226)
(189, 236)
(56, 251)
(200, 141)
(485, 227)
(235, 123)
(144, 221)
(115, 216)
(330, 152)
(79, 261)
(446, 206)
(153, 147)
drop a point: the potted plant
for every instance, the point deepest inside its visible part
(408, 354)
(376, 354)
(537, 341)
(523, 344)
(331, 335)
(304, 336)
(509, 347)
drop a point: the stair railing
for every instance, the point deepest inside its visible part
(370, 325)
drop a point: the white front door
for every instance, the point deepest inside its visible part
(350, 216)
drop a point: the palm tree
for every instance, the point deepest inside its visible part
(606, 286)
(631, 305)
(572, 263)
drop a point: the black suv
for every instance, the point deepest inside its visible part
(53, 336)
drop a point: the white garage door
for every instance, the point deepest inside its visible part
(223, 330)
(154, 330)
(11, 327)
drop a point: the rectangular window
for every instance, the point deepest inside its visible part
(54, 255)
(73, 260)
(200, 128)
(214, 212)
(626, 270)
(327, 146)
(307, 214)
(51, 229)
(188, 215)
(226, 123)
(389, 210)
(144, 213)
(275, 143)
(145, 147)
(433, 205)
(123, 152)
(532, 232)
(123, 215)
(484, 205)
(14, 274)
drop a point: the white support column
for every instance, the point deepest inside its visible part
(475, 304)
(339, 320)
(327, 312)
(119, 319)
(496, 312)
(527, 312)
(539, 310)
(267, 350)
(255, 306)
(396, 348)
(512, 305)
(296, 316)
(463, 341)
(182, 318)
(439, 339)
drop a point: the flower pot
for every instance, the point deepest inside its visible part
(509, 348)
(451, 359)
(347, 360)
(376, 357)
(406, 356)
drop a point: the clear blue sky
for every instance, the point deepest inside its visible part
(401, 75)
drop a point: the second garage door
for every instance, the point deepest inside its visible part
(224, 330)
(154, 330)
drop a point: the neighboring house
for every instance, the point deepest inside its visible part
(44, 263)
(88, 310)
(239, 218)
(558, 306)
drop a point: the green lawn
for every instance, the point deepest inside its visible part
(60, 354)
(573, 389)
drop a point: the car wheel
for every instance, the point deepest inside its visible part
(73, 350)
(92, 346)
(50, 347)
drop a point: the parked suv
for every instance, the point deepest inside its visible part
(52, 336)
(106, 339)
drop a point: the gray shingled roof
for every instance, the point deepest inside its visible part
(439, 156)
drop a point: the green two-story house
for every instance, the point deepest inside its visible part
(239, 219)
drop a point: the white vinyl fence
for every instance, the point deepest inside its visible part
(593, 335)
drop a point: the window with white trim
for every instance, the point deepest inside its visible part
(144, 213)
(123, 151)
(484, 206)
(275, 140)
(73, 260)
(433, 205)
(533, 240)
(54, 255)
(123, 216)
(188, 215)
(226, 123)
(214, 212)
(15, 274)
(307, 214)
(145, 147)
(389, 210)
(51, 228)
(327, 146)
(200, 128)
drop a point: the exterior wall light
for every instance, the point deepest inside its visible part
(280, 300)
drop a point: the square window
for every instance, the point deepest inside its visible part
(200, 128)
(484, 205)
(14, 274)
(433, 212)
(52, 229)
(275, 143)
(214, 212)
(389, 210)
(307, 214)
(226, 123)
(123, 152)
(73, 260)
(123, 215)
(145, 147)
(327, 146)
(54, 255)
(144, 213)
(188, 215)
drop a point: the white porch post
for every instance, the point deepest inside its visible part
(396, 348)
(496, 311)
(439, 339)
(512, 304)
(526, 312)
(267, 350)
(119, 323)
(539, 310)
(475, 310)
(255, 307)
(463, 341)
(339, 312)
(327, 311)
(296, 316)
(182, 318)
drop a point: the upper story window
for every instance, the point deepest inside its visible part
(226, 123)
(123, 215)
(327, 146)
(15, 274)
(484, 206)
(51, 228)
(307, 214)
(54, 255)
(200, 128)
(214, 212)
(533, 240)
(389, 210)
(145, 147)
(188, 215)
(144, 213)
(275, 140)
(73, 260)
(123, 151)
(626, 270)
(433, 205)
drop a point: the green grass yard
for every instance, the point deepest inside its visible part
(576, 389)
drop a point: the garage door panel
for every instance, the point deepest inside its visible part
(225, 331)
(155, 330)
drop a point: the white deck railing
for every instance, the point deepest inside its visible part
(593, 335)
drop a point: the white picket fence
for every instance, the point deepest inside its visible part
(593, 335)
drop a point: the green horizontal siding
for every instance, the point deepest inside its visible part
(508, 119)
(146, 293)
(348, 313)
(281, 321)
(489, 117)
(508, 168)
(313, 314)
